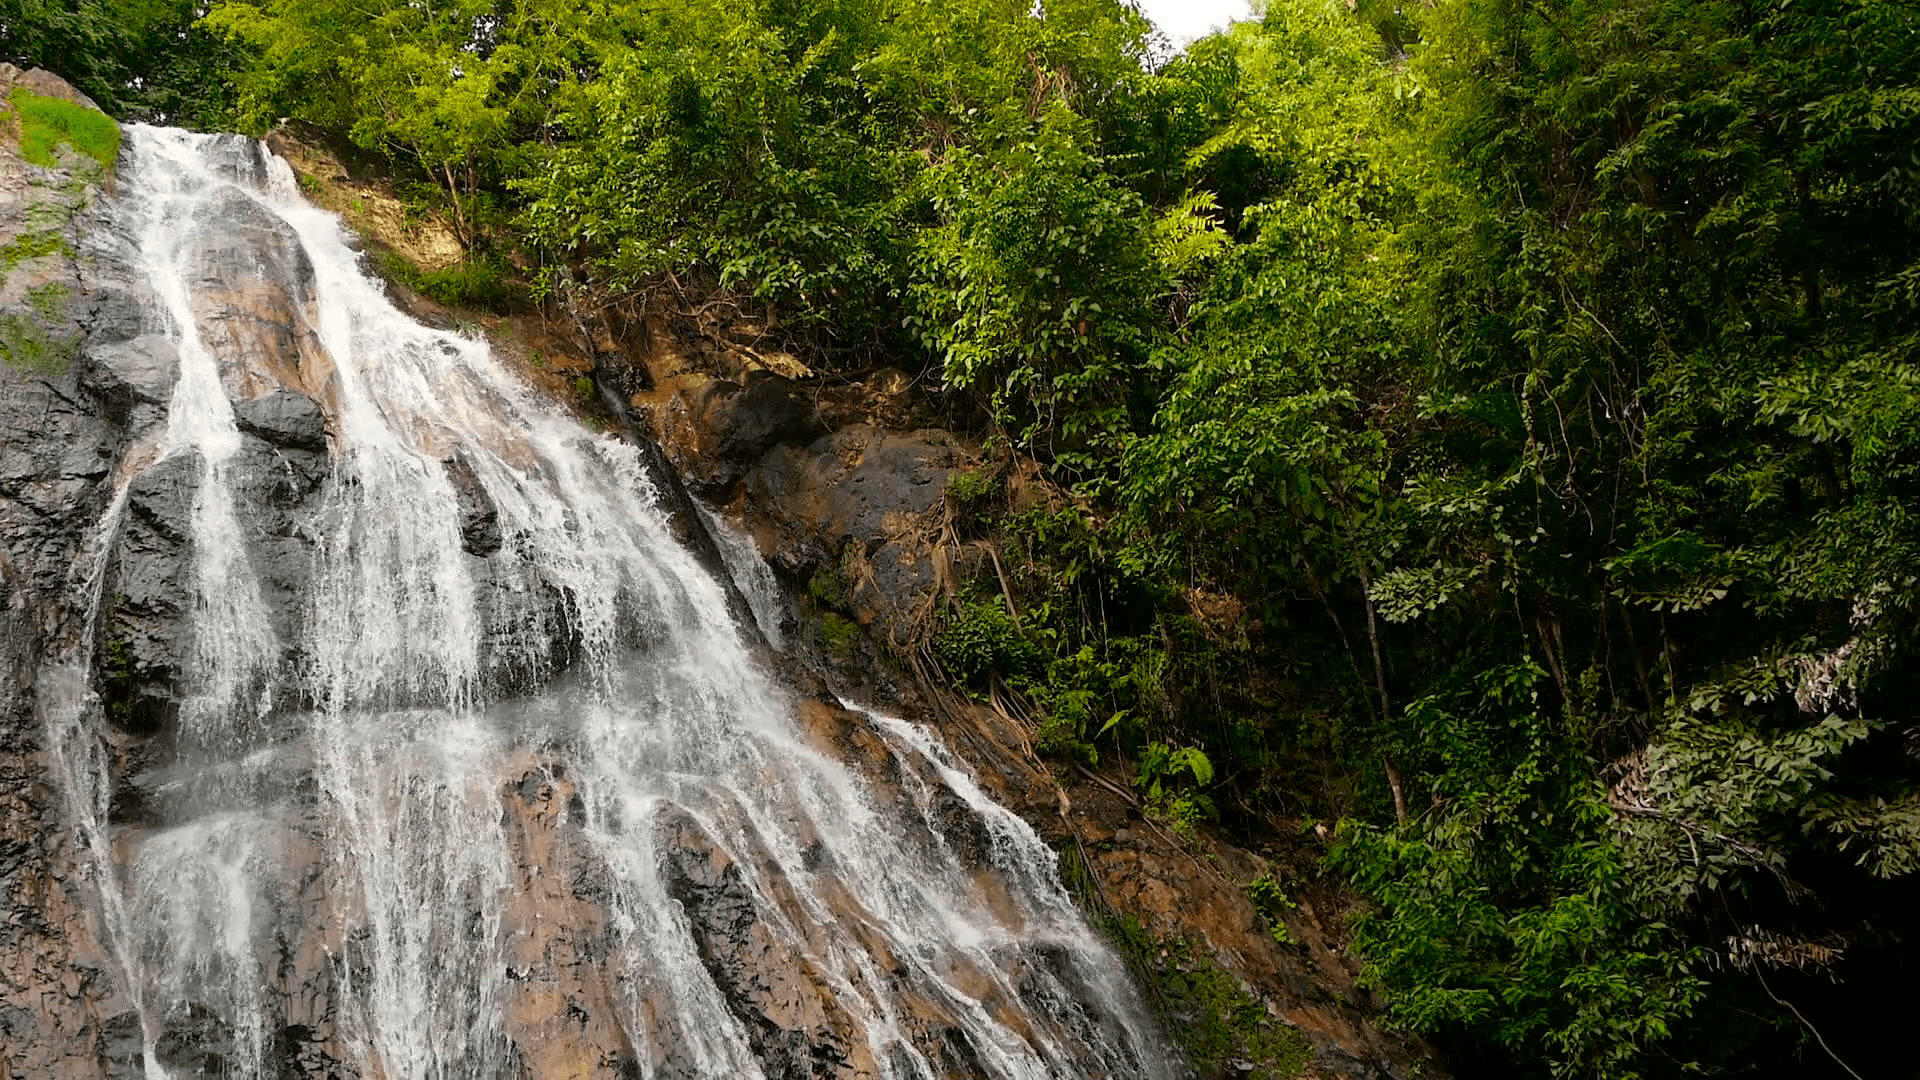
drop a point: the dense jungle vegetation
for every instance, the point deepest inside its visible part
(1491, 427)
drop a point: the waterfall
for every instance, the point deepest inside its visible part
(494, 787)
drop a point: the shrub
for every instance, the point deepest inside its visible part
(472, 282)
(982, 640)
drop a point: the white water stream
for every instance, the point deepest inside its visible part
(337, 845)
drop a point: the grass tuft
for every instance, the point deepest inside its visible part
(46, 122)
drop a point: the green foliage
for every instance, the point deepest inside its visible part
(1270, 900)
(26, 344)
(472, 282)
(48, 122)
(117, 673)
(772, 150)
(1567, 970)
(1163, 773)
(476, 282)
(970, 487)
(975, 499)
(138, 59)
(1040, 285)
(828, 588)
(838, 636)
(49, 300)
(1512, 910)
(1061, 737)
(1091, 693)
(983, 640)
(34, 244)
(1161, 767)
(1257, 450)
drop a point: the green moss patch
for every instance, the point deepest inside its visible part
(1201, 1007)
(31, 342)
(26, 345)
(30, 245)
(837, 635)
(46, 122)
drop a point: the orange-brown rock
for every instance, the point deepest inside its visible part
(563, 1010)
(253, 305)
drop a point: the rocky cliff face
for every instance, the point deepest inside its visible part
(843, 489)
(363, 717)
(76, 392)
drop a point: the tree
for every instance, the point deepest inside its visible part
(137, 59)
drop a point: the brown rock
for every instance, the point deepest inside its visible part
(252, 301)
(562, 1011)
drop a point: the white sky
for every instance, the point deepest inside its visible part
(1185, 20)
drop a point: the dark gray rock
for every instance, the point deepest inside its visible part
(479, 518)
(285, 419)
(277, 491)
(875, 494)
(145, 634)
(140, 369)
(125, 1050)
(110, 315)
(738, 424)
(194, 1044)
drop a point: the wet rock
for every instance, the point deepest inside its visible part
(59, 1016)
(124, 1047)
(903, 784)
(300, 1053)
(479, 518)
(194, 1044)
(65, 437)
(683, 517)
(284, 418)
(239, 159)
(564, 1011)
(145, 632)
(110, 314)
(797, 1031)
(141, 370)
(278, 494)
(252, 298)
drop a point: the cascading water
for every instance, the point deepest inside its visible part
(505, 792)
